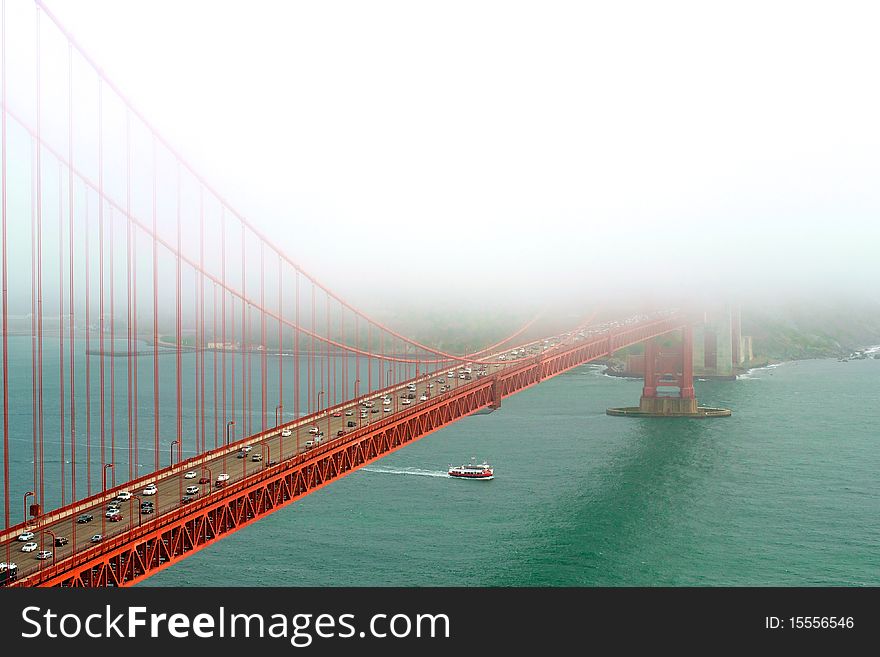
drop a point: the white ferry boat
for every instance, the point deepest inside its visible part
(474, 470)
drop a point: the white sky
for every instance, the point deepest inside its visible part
(528, 145)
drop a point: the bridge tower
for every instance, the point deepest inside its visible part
(669, 367)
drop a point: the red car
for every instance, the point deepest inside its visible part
(205, 480)
(337, 414)
(219, 484)
(115, 518)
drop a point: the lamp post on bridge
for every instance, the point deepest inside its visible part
(43, 544)
(210, 477)
(131, 510)
(279, 411)
(266, 453)
(231, 423)
(107, 466)
(27, 495)
(171, 451)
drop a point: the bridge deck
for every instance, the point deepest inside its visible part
(138, 545)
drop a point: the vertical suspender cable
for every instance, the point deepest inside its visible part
(155, 318)
(179, 435)
(5, 336)
(39, 261)
(128, 284)
(101, 261)
(88, 336)
(61, 397)
(264, 380)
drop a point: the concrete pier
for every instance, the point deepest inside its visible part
(669, 370)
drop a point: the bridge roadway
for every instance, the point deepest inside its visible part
(271, 446)
(505, 378)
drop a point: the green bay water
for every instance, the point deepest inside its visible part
(784, 492)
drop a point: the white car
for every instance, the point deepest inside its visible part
(313, 430)
(111, 512)
(192, 474)
(193, 490)
(423, 398)
(286, 432)
(406, 402)
(388, 409)
(97, 538)
(44, 554)
(222, 477)
(26, 536)
(247, 448)
(151, 489)
(124, 496)
(349, 413)
(28, 547)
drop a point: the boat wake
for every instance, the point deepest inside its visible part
(405, 471)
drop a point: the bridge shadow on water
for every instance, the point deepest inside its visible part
(616, 530)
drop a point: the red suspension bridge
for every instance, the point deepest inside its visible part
(152, 335)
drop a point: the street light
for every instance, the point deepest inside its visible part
(131, 509)
(278, 413)
(171, 451)
(107, 466)
(356, 384)
(388, 377)
(26, 495)
(266, 455)
(320, 392)
(43, 544)
(231, 423)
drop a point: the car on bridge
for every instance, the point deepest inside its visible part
(349, 413)
(25, 536)
(123, 496)
(44, 554)
(192, 474)
(111, 512)
(115, 518)
(222, 477)
(186, 499)
(205, 480)
(286, 432)
(193, 490)
(336, 414)
(146, 510)
(61, 541)
(151, 489)
(84, 518)
(97, 538)
(29, 547)
(247, 448)
(256, 458)
(351, 423)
